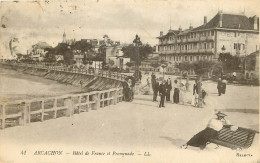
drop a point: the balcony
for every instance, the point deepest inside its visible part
(171, 41)
(184, 51)
(203, 38)
(193, 51)
(193, 39)
(210, 37)
(184, 40)
(178, 51)
(209, 50)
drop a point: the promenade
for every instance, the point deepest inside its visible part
(134, 126)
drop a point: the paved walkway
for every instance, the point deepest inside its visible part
(136, 126)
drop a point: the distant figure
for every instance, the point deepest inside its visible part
(234, 76)
(81, 83)
(148, 81)
(155, 90)
(219, 86)
(182, 94)
(125, 91)
(224, 85)
(162, 91)
(187, 85)
(153, 81)
(168, 89)
(176, 92)
(196, 93)
(130, 90)
(202, 138)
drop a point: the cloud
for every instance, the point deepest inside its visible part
(121, 20)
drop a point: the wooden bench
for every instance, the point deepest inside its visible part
(242, 138)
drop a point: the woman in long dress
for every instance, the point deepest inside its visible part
(182, 94)
(203, 137)
(176, 90)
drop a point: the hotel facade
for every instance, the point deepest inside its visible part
(225, 33)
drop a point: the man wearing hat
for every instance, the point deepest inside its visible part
(214, 125)
(162, 91)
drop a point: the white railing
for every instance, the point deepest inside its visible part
(27, 111)
(103, 73)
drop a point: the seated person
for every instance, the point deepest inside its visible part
(202, 138)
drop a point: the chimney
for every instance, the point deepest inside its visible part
(255, 22)
(220, 19)
(205, 20)
(161, 33)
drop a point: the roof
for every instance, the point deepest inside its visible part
(230, 21)
(170, 32)
(254, 54)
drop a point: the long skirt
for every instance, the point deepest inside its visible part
(201, 138)
(176, 96)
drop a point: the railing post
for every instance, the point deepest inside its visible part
(3, 116)
(115, 97)
(98, 100)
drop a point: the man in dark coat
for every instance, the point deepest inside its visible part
(168, 89)
(162, 91)
(155, 90)
(219, 86)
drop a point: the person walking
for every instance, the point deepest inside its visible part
(155, 90)
(168, 89)
(195, 93)
(162, 91)
(125, 90)
(202, 138)
(219, 86)
(224, 85)
(176, 92)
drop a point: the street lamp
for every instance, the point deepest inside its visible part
(163, 66)
(137, 42)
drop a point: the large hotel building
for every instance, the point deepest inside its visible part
(225, 33)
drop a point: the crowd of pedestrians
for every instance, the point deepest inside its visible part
(175, 92)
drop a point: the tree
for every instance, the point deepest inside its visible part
(130, 52)
(83, 46)
(155, 65)
(65, 50)
(229, 62)
(129, 64)
(49, 56)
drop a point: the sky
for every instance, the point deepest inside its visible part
(121, 20)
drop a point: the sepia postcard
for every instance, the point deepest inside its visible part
(129, 81)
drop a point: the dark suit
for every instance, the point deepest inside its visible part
(162, 91)
(168, 90)
(155, 90)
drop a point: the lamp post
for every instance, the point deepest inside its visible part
(137, 42)
(163, 66)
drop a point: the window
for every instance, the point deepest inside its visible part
(235, 46)
(191, 58)
(173, 58)
(212, 45)
(212, 33)
(198, 58)
(204, 57)
(186, 58)
(238, 46)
